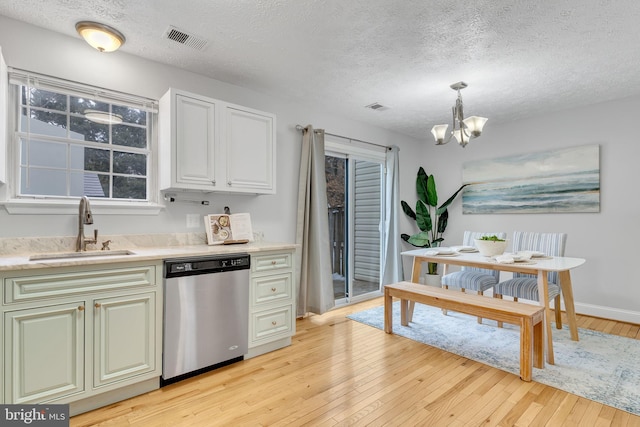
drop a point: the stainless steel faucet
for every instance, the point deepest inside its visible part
(85, 217)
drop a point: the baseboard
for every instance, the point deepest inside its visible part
(608, 313)
(603, 312)
(109, 397)
(266, 348)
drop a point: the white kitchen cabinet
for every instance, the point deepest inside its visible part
(211, 145)
(84, 336)
(44, 353)
(4, 103)
(124, 336)
(187, 138)
(272, 314)
(249, 144)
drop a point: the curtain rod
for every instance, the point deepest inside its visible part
(300, 128)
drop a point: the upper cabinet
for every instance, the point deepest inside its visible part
(249, 144)
(212, 145)
(4, 99)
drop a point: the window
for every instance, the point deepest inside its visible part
(59, 152)
(355, 195)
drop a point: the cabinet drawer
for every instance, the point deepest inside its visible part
(27, 288)
(275, 287)
(271, 262)
(272, 324)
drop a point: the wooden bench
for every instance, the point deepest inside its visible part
(528, 317)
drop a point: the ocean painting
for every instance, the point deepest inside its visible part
(564, 180)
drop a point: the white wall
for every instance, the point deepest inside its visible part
(606, 285)
(46, 52)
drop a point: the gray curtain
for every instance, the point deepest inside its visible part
(392, 271)
(313, 267)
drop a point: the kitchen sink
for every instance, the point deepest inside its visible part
(73, 255)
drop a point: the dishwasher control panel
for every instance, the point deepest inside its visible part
(205, 265)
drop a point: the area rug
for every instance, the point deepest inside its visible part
(600, 367)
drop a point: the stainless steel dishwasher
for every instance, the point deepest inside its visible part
(206, 314)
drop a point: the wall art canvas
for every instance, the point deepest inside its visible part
(563, 180)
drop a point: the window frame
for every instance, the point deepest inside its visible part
(15, 203)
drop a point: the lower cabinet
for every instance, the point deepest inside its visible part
(81, 344)
(123, 337)
(44, 351)
(272, 308)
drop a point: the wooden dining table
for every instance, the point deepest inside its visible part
(539, 267)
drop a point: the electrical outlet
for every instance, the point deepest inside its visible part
(194, 221)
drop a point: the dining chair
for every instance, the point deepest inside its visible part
(526, 285)
(473, 278)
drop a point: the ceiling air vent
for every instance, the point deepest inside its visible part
(184, 38)
(376, 106)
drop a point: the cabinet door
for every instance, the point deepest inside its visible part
(124, 337)
(44, 353)
(194, 148)
(250, 151)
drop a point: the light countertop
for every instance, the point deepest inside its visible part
(22, 262)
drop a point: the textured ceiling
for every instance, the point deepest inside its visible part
(519, 57)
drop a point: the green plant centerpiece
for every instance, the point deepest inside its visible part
(430, 218)
(492, 238)
(491, 245)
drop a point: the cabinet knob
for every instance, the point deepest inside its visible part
(213, 182)
(229, 183)
(273, 289)
(81, 308)
(273, 262)
(274, 323)
(97, 305)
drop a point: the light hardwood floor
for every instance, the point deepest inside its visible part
(342, 373)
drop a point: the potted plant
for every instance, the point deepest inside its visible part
(430, 218)
(491, 245)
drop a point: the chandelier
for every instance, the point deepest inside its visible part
(463, 129)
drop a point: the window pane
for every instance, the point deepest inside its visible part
(96, 160)
(44, 123)
(45, 182)
(79, 104)
(104, 183)
(367, 208)
(129, 163)
(335, 172)
(44, 99)
(89, 184)
(87, 130)
(130, 136)
(131, 115)
(129, 188)
(42, 153)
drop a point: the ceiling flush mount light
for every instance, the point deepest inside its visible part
(463, 129)
(103, 117)
(100, 36)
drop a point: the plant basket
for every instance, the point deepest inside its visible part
(490, 247)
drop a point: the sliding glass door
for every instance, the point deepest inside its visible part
(355, 196)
